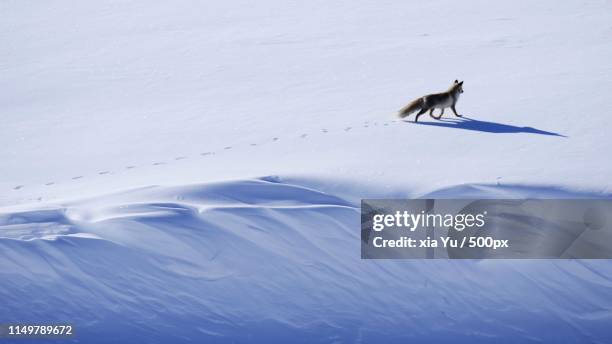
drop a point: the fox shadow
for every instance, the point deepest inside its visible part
(487, 127)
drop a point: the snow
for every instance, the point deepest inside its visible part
(265, 260)
(192, 170)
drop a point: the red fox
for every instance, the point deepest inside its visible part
(434, 101)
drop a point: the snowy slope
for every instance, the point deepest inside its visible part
(94, 88)
(135, 134)
(268, 261)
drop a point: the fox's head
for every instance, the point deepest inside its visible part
(458, 86)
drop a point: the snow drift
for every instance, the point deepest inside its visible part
(263, 259)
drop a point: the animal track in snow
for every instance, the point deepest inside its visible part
(365, 124)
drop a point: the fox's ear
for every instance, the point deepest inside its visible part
(461, 83)
(456, 82)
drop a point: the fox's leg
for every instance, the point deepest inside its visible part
(455, 111)
(423, 110)
(433, 116)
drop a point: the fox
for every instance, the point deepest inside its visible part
(434, 101)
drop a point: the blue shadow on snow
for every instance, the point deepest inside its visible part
(487, 127)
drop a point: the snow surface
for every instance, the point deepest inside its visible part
(136, 134)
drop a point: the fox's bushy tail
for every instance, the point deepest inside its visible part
(414, 105)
